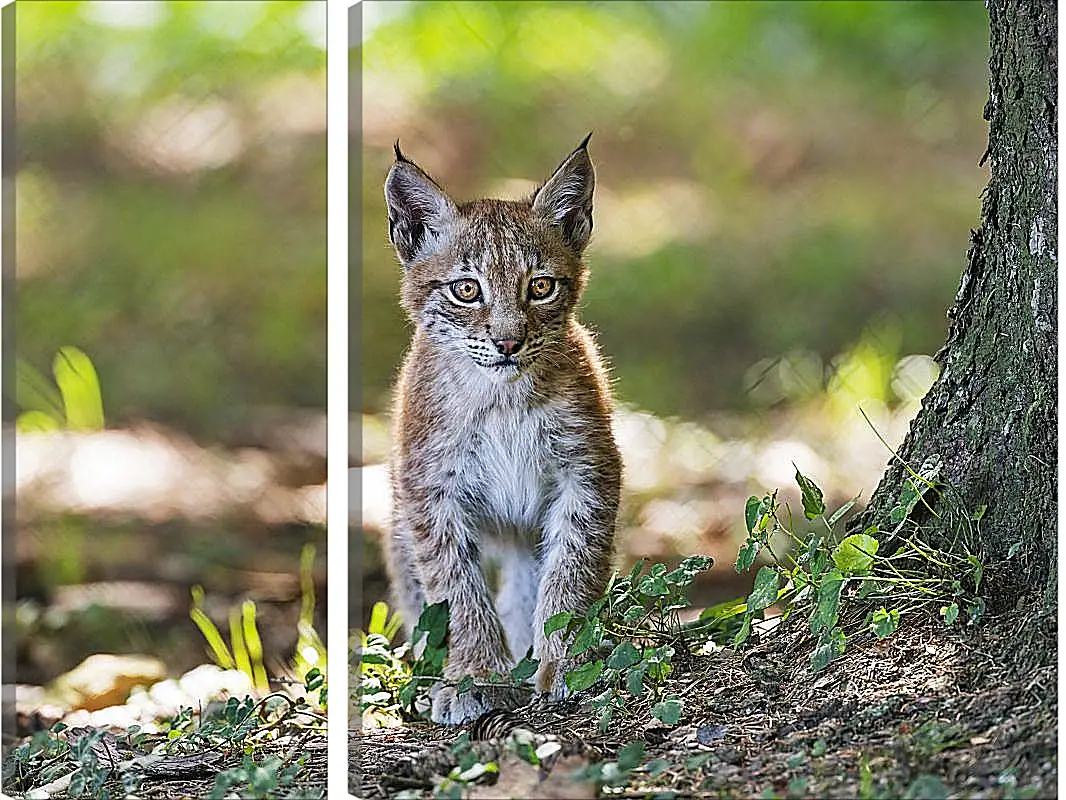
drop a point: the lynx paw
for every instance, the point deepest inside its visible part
(452, 708)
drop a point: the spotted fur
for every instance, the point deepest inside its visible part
(504, 450)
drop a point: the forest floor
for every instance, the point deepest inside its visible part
(929, 712)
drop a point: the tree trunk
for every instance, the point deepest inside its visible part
(991, 416)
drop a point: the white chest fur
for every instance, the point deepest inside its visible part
(512, 467)
(498, 449)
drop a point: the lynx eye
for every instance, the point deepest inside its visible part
(541, 287)
(465, 290)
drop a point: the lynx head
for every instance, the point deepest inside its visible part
(492, 280)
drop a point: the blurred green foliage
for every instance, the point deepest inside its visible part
(74, 402)
(774, 178)
(170, 203)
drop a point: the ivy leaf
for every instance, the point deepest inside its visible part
(751, 512)
(884, 623)
(653, 586)
(623, 656)
(827, 602)
(589, 635)
(630, 755)
(668, 711)
(556, 622)
(746, 556)
(764, 593)
(584, 676)
(950, 613)
(813, 505)
(832, 644)
(635, 682)
(744, 632)
(855, 554)
(525, 668)
(433, 621)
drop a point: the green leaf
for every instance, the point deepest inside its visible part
(36, 422)
(525, 668)
(855, 554)
(746, 556)
(830, 646)
(637, 569)
(751, 512)
(556, 622)
(623, 656)
(80, 389)
(583, 677)
(687, 571)
(950, 613)
(744, 632)
(978, 572)
(433, 621)
(926, 787)
(635, 682)
(653, 586)
(764, 593)
(668, 711)
(34, 392)
(605, 718)
(884, 623)
(589, 635)
(819, 562)
(465, 685)
(633, 613)
(813, 505)
(828, 602)
(915, 488)
(868, 587)
(725, 610)
(631, 755)
(840, 512)
(657, 766)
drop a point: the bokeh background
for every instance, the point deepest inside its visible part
(170, 225)
(784, 193)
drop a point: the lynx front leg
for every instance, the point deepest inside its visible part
(578, 543)
(400, 563)
(449, 566)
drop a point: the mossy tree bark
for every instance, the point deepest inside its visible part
(991, 415)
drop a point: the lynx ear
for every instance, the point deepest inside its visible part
(566, 198)
(419, 210)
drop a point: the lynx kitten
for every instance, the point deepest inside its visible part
(504, 452)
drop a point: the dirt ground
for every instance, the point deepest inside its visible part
(929, 712)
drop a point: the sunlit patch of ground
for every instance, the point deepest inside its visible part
(926, 713)
(157, 475)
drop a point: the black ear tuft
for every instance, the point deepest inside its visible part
(583, 146)
(418, 208)
(401, 157)
(565, 199)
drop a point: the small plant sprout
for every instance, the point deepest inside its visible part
(893, 568)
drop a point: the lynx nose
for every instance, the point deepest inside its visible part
(508, 347)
